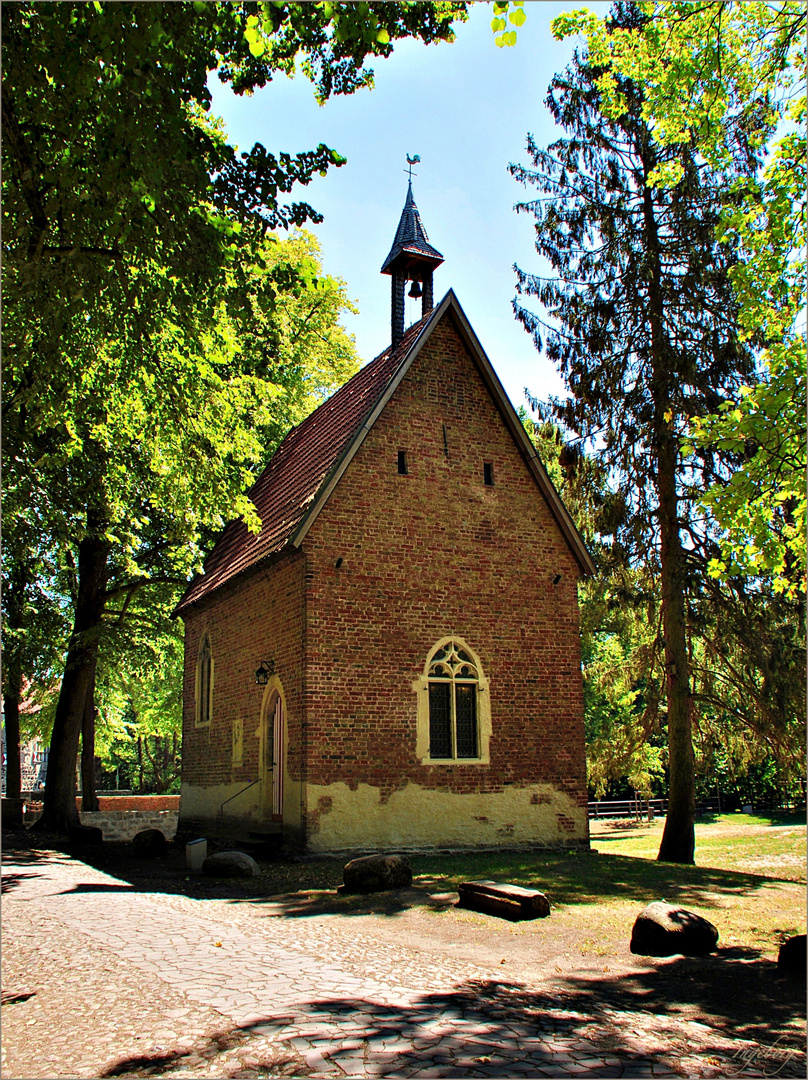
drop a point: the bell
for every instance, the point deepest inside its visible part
(415, 290)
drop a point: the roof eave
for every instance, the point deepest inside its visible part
(412, 254)
(272, 557)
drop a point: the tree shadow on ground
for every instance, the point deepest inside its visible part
(279, 1059)
(299, 888)
(96, 887)
(488, 1027)
(11, 881)
(305, 904)
(590, 878)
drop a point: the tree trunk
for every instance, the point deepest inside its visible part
(89, 799)
(59, 804)
(678, 837)
(19, 581)
(166, 764)
(11, 717)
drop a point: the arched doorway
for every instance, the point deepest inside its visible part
(273, 751)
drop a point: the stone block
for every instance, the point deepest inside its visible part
(503, 900)
(196, 851)
(149, 843)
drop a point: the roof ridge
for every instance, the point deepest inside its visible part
(300, 476)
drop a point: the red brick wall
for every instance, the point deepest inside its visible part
(136, 802)
(257, 618)
(435, 553)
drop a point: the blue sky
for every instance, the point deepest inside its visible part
(466, 108)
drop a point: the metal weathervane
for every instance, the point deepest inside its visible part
(410, 162)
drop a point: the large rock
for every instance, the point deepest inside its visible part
(82, 837)
(375, 873)
(149, 843)
(792, 955)
(12, 813)
(503, 900)
(230, 864)
(664, 930)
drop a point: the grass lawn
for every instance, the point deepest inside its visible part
(749, 879)
(772, 844)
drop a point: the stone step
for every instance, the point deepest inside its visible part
(261, 842)
(503, 900)
(268, 832)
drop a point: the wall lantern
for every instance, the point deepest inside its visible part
(265, 672)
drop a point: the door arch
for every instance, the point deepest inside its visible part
(272, 749)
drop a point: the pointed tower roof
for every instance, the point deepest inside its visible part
(411, 245)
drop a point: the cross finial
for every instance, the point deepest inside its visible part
(410, 162)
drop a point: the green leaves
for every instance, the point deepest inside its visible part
(255, 40)
(505, 13)
(716, 77)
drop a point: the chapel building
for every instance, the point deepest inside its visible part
(394, 662)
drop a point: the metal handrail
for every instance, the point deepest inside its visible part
(226, 801)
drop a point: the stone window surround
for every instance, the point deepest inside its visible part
(200, 659)
(421, 688)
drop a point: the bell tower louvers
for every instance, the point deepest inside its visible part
(412, 258)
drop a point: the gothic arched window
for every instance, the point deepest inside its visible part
(453, 681)
(204, 682)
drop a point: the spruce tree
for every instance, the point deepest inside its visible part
(641, 320)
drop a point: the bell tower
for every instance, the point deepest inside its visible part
(412, 258)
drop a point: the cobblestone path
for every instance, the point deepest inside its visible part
(110, 981)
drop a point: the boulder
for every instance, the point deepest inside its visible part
(148, 843)
(505, 901)
(375, 873)
(230, 864)
(664, 930)
(13, 811)
(85, 836)
(792, 955)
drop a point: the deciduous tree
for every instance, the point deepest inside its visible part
(136, 385)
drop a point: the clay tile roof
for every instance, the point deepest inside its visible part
(298, 469)
(411, 236)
